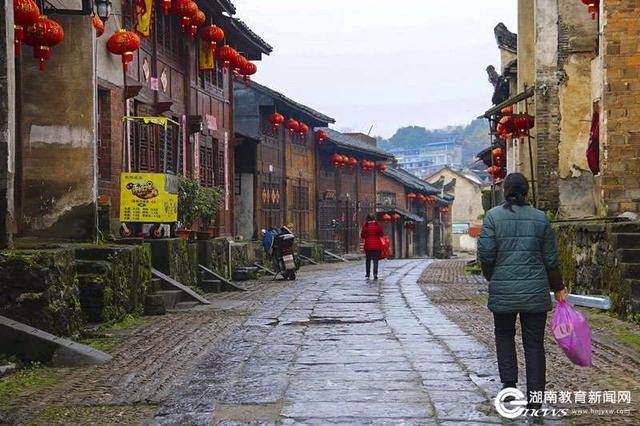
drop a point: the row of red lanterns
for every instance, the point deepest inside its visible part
(514, 125)
(339, 160)
(423, 198)
(387, 217)
(35, 30)
(292, 125)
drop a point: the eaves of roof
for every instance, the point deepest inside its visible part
(291, 103)
(348, 142)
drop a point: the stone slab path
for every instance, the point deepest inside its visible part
(337, 349)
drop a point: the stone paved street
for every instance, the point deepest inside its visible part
(335, 348)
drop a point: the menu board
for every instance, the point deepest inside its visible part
(148, 198)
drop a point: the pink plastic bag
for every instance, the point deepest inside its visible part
(572, 332)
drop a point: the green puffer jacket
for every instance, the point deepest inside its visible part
(518, 248)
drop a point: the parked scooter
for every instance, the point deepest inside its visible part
(279, 245)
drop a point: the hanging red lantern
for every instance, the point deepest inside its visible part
(25, 13)
(506, 125)
(321, 135)
(396, 217)
(444, 210)
(292, 125)
(276, 120)
(336, 159)
(594, 6)
(98, 25)
(227, 55)
(422, 198)
(166, 6)
(382, 168)
(212, 35)
(493, 170)
(411, 196)
(185, 10)
(507, 110)
(303, 129)
(386, 218)
(237, 63)
(248, 70)
(124, 43)
(42, 35)
(497, 153)
(196, 21)
(522, 124)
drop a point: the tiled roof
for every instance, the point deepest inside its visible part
(293, 104)
(409, 180)
(227, 6)
(266, 47)
(349, 142)
(505, 38)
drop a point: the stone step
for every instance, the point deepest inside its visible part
(245, 273)
(171, 297)
(632, 227)
(211, 286)
(94, 253)
(88, 267)
(628, 255)
(156, 285)
(626, 240)
(154, 305)
(630, 270)
(635, 288)
(184, 306)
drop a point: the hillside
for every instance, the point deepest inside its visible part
(472, 138)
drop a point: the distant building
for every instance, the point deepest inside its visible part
(429, 158)
(466, 189)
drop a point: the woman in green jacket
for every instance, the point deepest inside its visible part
(518, 255)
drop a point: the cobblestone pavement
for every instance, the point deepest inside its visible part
(338, 349)
(148, 360)
(463, 299)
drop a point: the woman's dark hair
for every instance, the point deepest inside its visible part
(516, 188)
(371, 217)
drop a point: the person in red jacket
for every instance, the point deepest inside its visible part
(371, 234)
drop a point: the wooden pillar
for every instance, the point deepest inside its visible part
(7, 123)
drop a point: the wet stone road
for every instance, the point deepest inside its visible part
(337, 349)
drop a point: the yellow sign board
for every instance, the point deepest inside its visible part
(145, 197)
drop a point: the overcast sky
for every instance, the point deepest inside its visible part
(383, 63)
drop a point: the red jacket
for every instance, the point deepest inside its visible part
(371, 233)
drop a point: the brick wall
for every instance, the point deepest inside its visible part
(620, 133)
(386, 184)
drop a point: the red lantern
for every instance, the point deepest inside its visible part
(396, 217)
(353, 161)
(497, 153)
(166, 6)
(227, 55)
(382, 168)
(422, 198)
(336, 159)
(124, 43)
(25, 13)
(98, 25)
(321, 135)
(237, 63)
(432, 200)
(386, 218)
(303, 129)
(42, 35)
(411, 196)
(507, 110)
(185, 10)
(594, 6)
(248, 70)
(276, 120)
(506, 125)
(212, 35)
(292, 125)
(493, 170)
(522, 124)
(196, 21)
(444, 210)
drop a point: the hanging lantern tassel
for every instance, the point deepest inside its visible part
(197, 20)
(227, 54)
(124, 43)
(212, 35)
(166, 6)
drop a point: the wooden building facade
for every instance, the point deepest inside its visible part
(276, 182)
(346, 190)
(165, 80)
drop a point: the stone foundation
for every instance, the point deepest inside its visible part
(597, 259)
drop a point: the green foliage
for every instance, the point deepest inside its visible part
(196, 202)
(21, 381)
